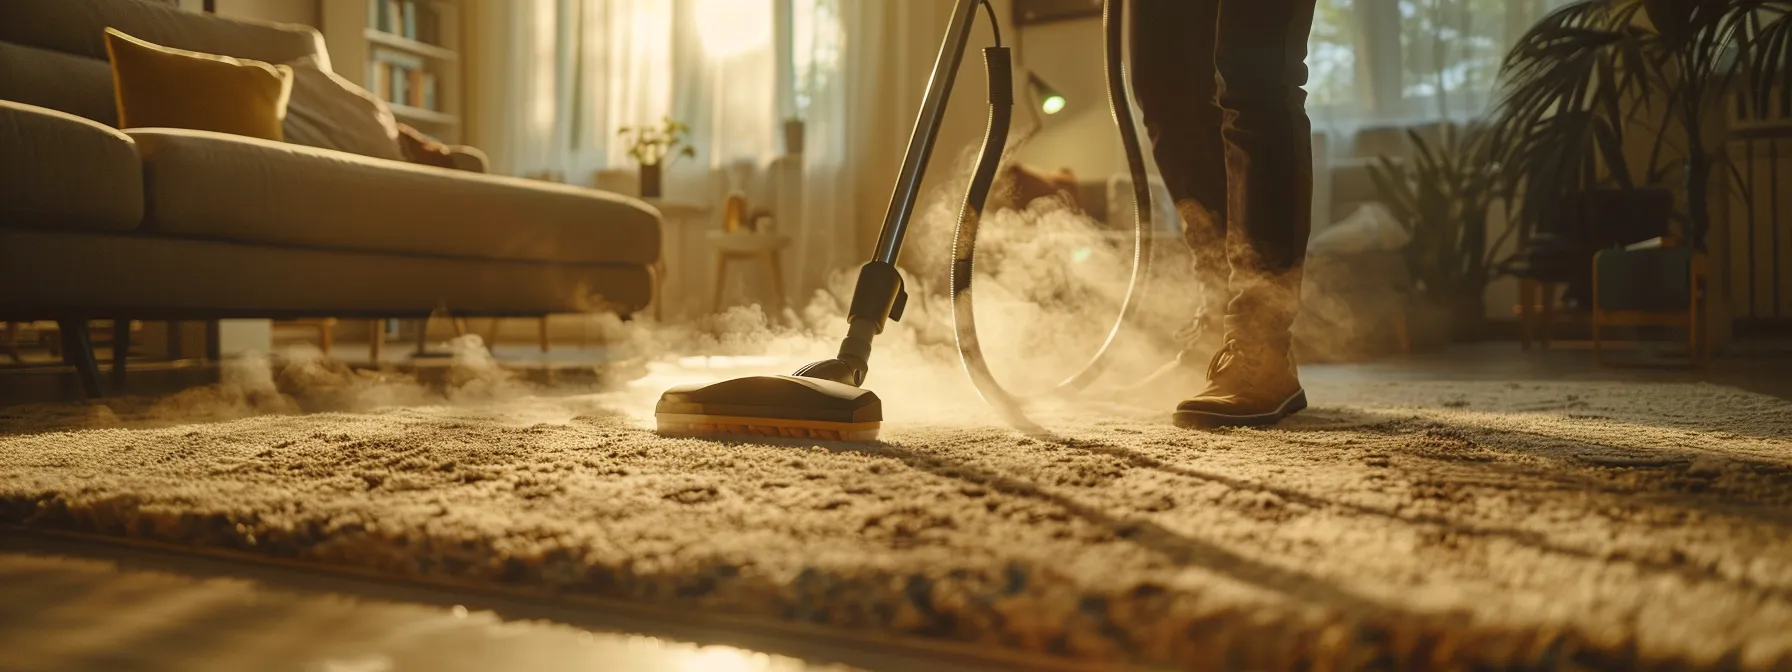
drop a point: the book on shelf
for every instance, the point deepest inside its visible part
(394, 16)
(430, 100)
(400, 78)
(413, 88)
(430, 25)
(409, 19)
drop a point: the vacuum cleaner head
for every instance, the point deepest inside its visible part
(782, 406)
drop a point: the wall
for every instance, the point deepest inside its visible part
(282, 11)
(1068, 55)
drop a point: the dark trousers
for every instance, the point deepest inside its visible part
(1219, 85)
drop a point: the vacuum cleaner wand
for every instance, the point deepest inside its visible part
(879, 295)
(823, 399)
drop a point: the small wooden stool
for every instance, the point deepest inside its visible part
(748, 246)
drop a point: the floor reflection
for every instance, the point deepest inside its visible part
(65, 613)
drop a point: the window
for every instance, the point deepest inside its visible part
(732, 69)
(814, 50)
(1409, 61)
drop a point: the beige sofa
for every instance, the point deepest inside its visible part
(174, 224)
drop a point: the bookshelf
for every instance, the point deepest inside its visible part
(405, 51)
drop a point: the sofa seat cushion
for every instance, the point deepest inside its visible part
(58, 170)
(156, 277)
(225, 187)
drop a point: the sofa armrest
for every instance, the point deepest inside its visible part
(469, 159)
(59, 170)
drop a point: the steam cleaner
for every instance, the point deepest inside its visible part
(825, 400)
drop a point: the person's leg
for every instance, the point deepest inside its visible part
(1176, 83)
(1261, 57)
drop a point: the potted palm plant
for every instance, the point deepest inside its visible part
(1595, 77)
(653, 148)
(1442, 194)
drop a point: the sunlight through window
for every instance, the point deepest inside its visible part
(733, 27)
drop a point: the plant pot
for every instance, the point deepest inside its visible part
(650, 180)
(793, 137)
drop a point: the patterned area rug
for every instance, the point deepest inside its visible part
(1392, 526)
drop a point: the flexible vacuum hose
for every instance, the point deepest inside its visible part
(964, 247)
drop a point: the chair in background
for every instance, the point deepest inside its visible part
(1655, 287)
(1548, 263)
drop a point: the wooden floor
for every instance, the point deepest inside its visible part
(79, 605)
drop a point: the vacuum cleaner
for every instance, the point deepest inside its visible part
(825, 400)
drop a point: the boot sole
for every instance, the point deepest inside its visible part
(1207, 420)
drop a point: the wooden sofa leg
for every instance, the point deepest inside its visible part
(9, 343)
(376, 337)
(121, 348)
(214, 342)
(77, 349)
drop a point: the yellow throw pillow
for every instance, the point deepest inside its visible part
(163, 87)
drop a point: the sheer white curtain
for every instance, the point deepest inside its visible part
(835, 48)
(514, 111)
(1391, 63)
(560, 78)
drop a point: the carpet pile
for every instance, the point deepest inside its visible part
(1392, 526)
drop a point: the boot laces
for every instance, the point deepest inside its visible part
(1191, 333)
(1228, 357)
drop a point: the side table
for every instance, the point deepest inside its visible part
(748, 246)
(679, 219)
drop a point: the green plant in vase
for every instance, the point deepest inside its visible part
(1442, 194)
(655, 147)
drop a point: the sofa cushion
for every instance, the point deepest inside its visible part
(234, 188)
(78, 27)
(330, 112)
(163, 86)
(59, 170)
(75, 84)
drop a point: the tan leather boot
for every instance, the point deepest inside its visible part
(1250, 382)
